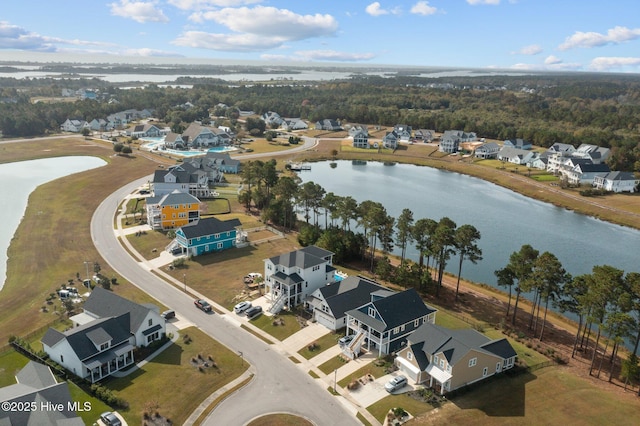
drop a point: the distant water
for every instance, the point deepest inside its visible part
(19, 180)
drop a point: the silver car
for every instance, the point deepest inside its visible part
(395, 384)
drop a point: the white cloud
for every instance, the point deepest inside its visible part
(146, 52)
(615, 35)
(139, 11)
(228, 42)
(423, 8)
(15, 37)
(332, 55)
(532, 49)
(209, 4)
(477, 2)
(374, 9)
(552, 60)
(613, 63)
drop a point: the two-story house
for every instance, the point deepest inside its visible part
(384, 323)
(617, 182)
(172, 210)
(518, 144)
(328, 124)
(487, 150)
(450, 359)
(208, 235)
(186, 178)
(292, 277)
(450, 141)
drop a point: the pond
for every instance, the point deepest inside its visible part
(505, 219)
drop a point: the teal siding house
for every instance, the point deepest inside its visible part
(209, 235)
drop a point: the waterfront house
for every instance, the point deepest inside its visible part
(359, 136)
(186, 178)
(172, 210)
(515, 156)
(487, 150)
(330, 302)
(292, 277)
(617, 182)
(390, 140)
(450, 359)
(383, 324)
(207, 236)
(450, 141)
(517, 143)
(424, 135)
(403, 132)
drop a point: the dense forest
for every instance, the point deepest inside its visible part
(602, 110)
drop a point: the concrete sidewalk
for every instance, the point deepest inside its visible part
(302, 338)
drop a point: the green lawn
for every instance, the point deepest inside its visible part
(145, 243)
(414, 407)
(331, 365)
(322, 344)
(371, 368)
(155, 384)
(280, 326)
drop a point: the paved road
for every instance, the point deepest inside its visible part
(278, 385)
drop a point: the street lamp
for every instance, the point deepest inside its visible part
(241, 358)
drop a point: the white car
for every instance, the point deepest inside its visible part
(395, 384)
(241, 307)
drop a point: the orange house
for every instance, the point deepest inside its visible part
(173, 210)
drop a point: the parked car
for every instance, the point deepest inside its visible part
(241, 307)
(344, 341)
(203, 305)
(110, 419)
(167, 315)
(395, 384)
(254, 311)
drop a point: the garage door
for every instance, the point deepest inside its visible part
(408, 369)
(325, 320)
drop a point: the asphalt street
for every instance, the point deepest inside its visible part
(278, 385)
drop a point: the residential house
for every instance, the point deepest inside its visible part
(208, 235)
(290, 124)
(403, 132)
(390, 140)
(196, 136)
(563, 148)
(94, 350)
(217, 163)
(74, 125)
(384, 323)
(450, 141)
(175, 141)
(292, 277)
(450, 359)
(186, 178)
(584, 172)
(360, 136)
(597, 154)
(173, 210)
(330, 303)
(562, 156)
(424, 135)
(487, 150)
(37, 386)
(144, 131)
(518, 144)
(515, 156)
(617, 182)
(539, 161)
(272, 119)
(99, 125)
(329, 125)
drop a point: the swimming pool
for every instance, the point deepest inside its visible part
(155, 144)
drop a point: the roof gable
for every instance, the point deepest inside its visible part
(210, 226)
(104, 303)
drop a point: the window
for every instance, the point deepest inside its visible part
(497, 367)
(61, 358)
(409, 355)
(396, 330)
(442, 364)
(216, 236)
(150, 322)
(402, 327)
(473, 362)
(104, 346)
(220, 245)
(316, 268)
(435, 359)
(372, 312)
(484, 372)
(416, 323)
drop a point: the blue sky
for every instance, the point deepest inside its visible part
(572, 35)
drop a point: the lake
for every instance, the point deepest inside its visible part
(19, 179)
(505, 219)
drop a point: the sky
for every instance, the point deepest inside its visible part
(559, 35)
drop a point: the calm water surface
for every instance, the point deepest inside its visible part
(19, 180)
(505, 219)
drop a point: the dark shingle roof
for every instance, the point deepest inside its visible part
(104, 303)
(348, 294)
(501, 347)
(304, 258)
(210, 226)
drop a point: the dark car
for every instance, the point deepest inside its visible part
(202, 305)
(167, 315)
(110, 419)
(253, 312)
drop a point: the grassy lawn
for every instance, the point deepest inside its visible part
(280, 420)
(145, 243)
(322, 344)
(331, 365)
(217, 206)
(371, 368)
(173, 369)
(380, 409)
(551, 395)
(281, 326)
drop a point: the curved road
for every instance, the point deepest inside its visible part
(278, 385)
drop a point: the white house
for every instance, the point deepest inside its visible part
(617, 182)
(515, 156)
(292, 277)
(487, 150)
(73, 125)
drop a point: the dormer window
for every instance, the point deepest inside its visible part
(372, 312)
(104, 346)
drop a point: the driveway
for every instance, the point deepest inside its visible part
(372, 392)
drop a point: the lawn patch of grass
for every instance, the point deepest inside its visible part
(371, 368)
(219, 399)
(173, 369)
(313, 374)
(147, 242)
(280, 419)
(279, 326)
(364, 421)
(294, 359)
(322, 344)
(333, 364)
(414, 407)
(217, 206)
(258, 335)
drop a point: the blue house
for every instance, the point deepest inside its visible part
(209, 235)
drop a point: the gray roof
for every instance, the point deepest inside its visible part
(619, 176)
(210, 226)
(174, 198)
(594, 168)
(304, 258)
(36, 375)
(395, 310)
(431, 339)
(78, 338)
(348, 294)
(104, 303)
